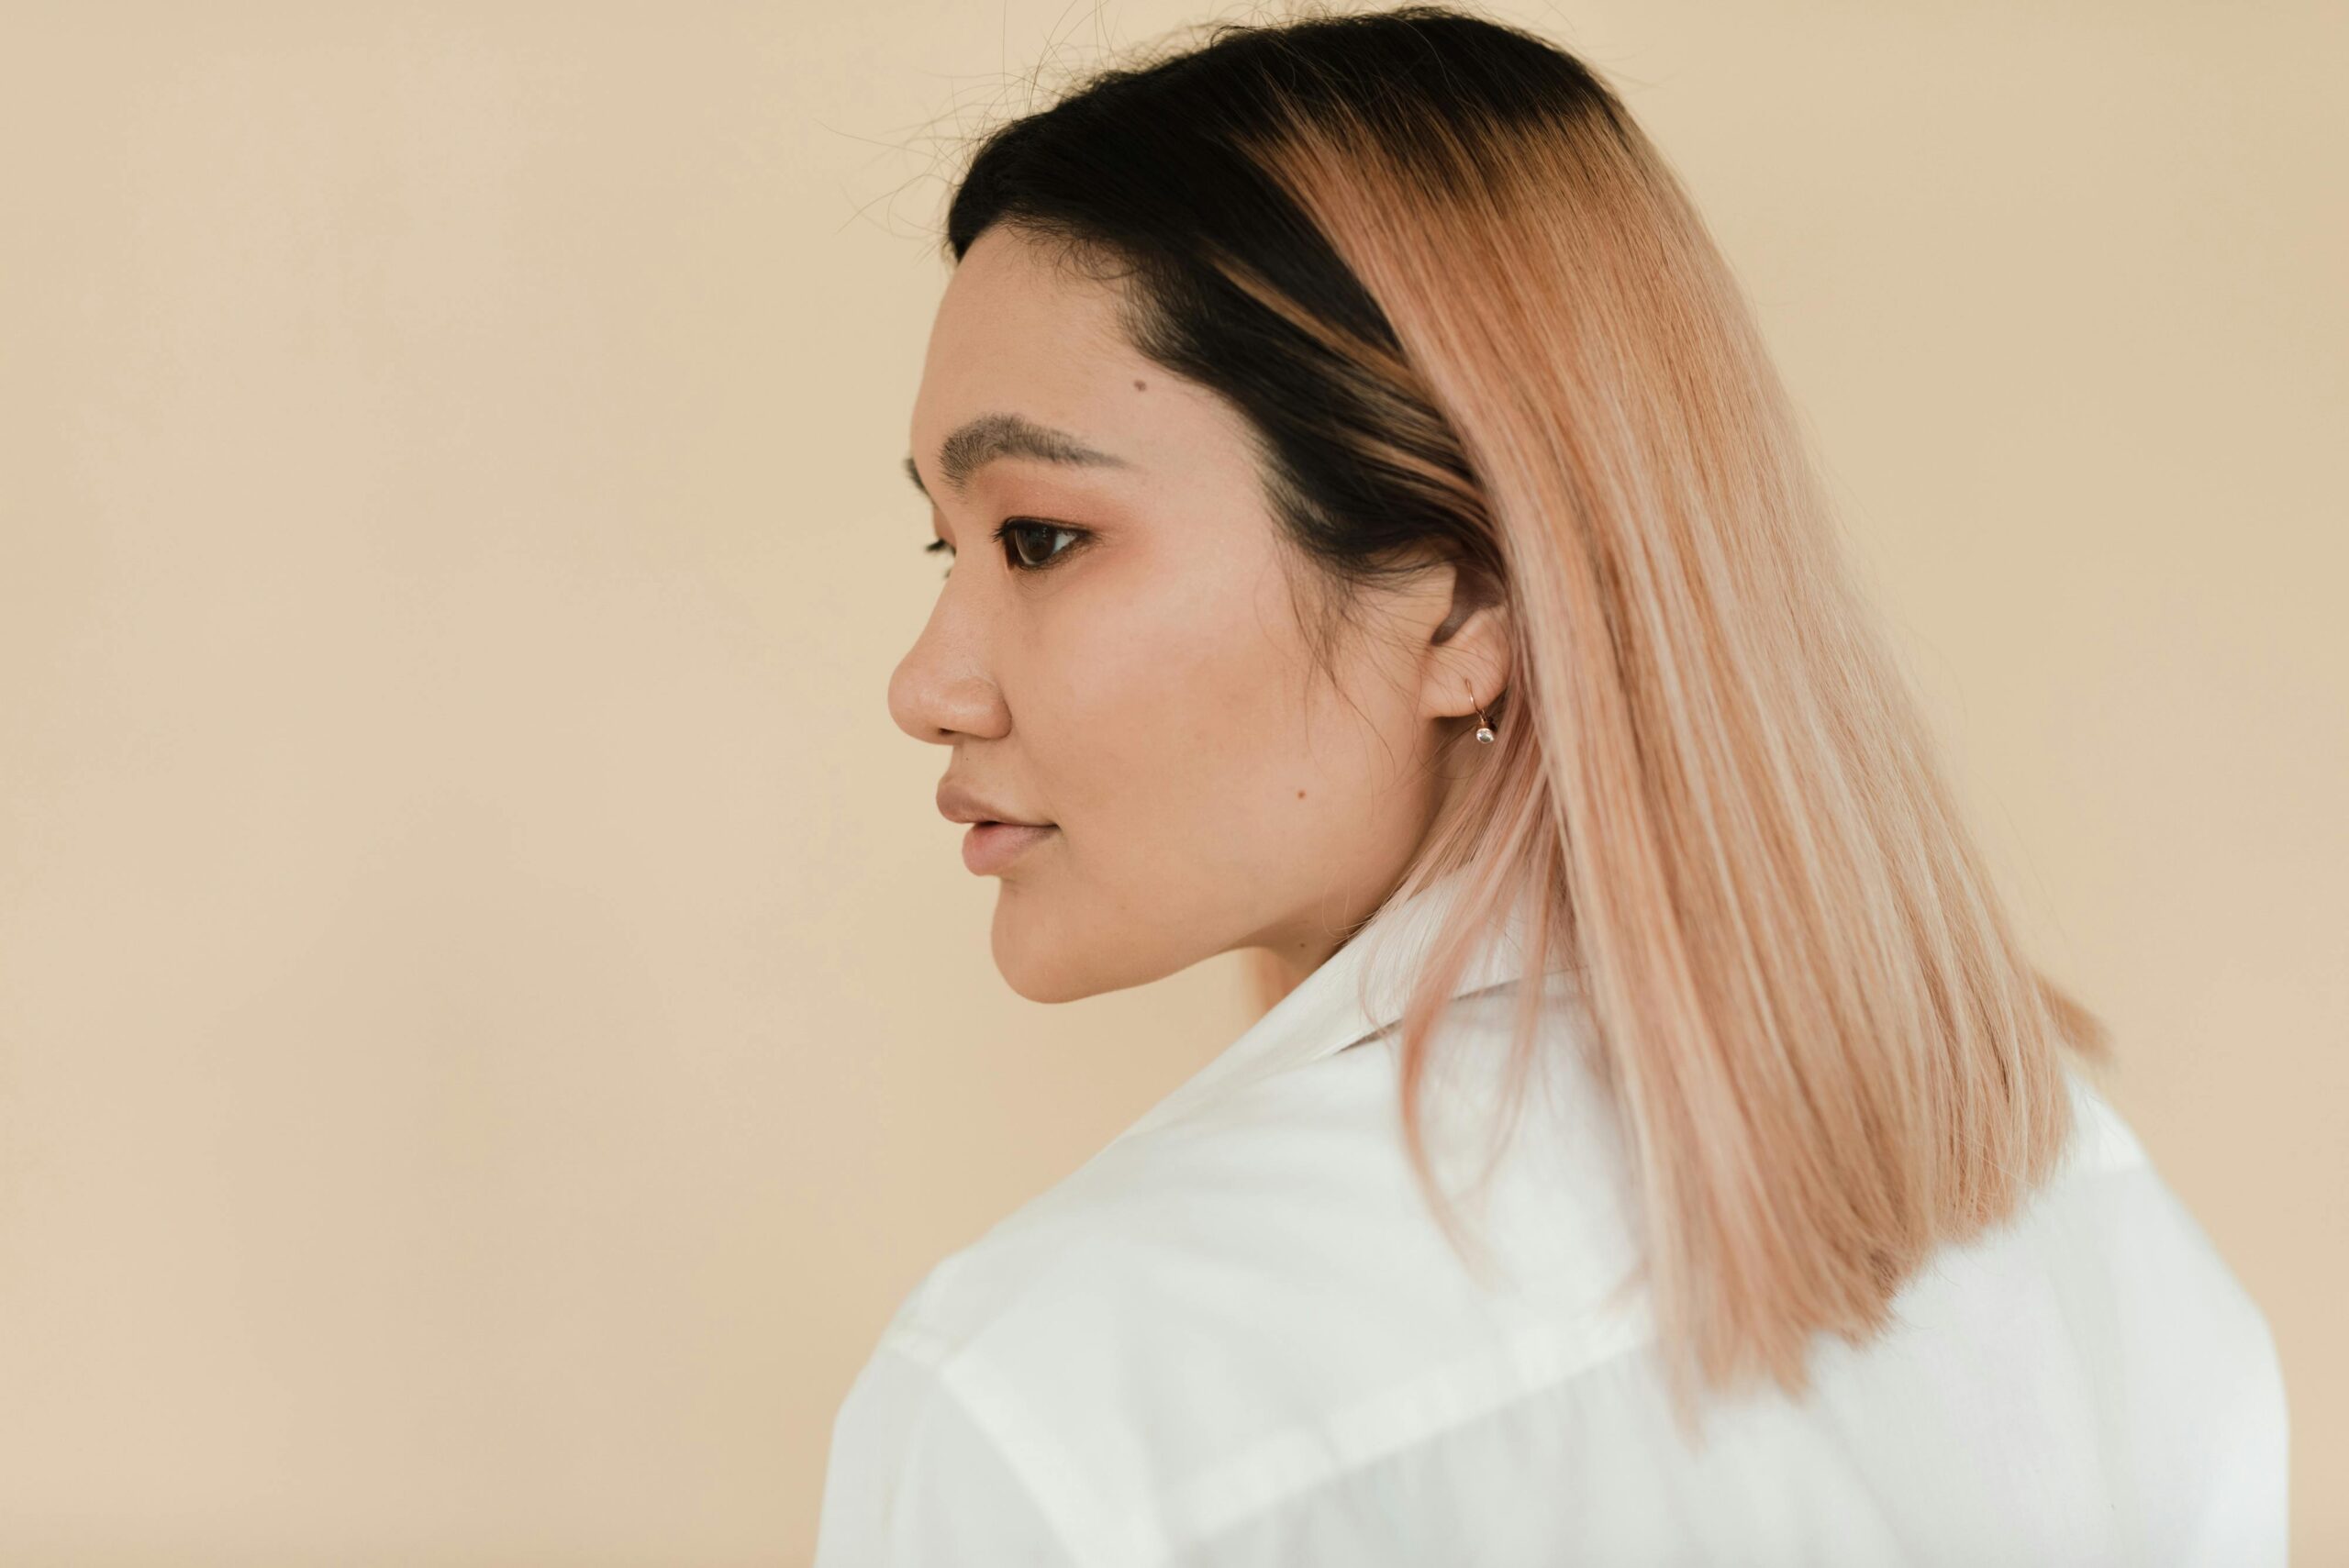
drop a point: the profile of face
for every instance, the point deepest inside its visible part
(1117, 652)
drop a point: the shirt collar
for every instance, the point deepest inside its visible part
(1357, 992)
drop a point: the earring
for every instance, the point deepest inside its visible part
(1483, 726)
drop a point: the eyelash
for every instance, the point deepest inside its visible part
(1011, 557)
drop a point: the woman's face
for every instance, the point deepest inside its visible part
(1127, 662)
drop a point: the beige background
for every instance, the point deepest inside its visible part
(490, 1020)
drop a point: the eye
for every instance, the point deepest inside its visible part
(1017, 528)
(1014, 530)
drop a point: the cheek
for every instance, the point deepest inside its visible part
(1181, 733)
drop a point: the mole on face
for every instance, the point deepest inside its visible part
(1140, 386)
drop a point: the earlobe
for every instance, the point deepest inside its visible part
(1477, 667)
(1484, 724)
(1480, 651)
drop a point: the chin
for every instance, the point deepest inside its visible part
(1042, 966)
(1024, 987)
(1045, 982)
(1033, 963)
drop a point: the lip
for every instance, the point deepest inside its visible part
(989, 847)
(959, 803)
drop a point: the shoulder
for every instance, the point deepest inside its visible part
(2172, 1298)
(1286, 1189)
(1258, 1288)
(2102, 1139)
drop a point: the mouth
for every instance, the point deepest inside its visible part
(989, 847)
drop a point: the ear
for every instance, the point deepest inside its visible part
(1467, 658)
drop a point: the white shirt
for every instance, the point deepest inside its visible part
(1235, 1338)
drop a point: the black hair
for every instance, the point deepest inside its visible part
(1151, 175)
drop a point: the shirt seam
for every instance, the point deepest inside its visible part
(1006, 1448)
(996, 1410)
(1545, 1358)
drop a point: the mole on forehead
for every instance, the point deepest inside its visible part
(977, 442)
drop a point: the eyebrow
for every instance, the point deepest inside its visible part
(977, 442)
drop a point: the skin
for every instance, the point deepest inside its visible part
(1151, 691)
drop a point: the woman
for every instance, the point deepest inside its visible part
(1393, 552)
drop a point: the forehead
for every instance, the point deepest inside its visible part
(1018, 335)
(1014, 295)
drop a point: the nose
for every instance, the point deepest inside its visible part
(939, 691)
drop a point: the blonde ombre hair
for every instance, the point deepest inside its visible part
(1468, 309)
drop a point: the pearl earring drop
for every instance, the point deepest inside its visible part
(1484, 725)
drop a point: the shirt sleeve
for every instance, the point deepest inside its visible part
(914, 1481)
